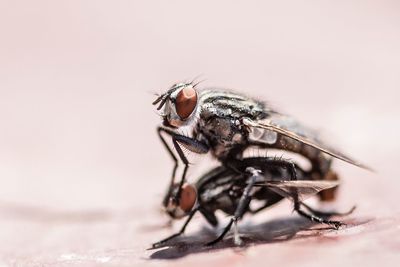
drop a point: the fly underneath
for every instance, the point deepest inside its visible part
(263, 179)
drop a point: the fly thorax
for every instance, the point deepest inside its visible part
(223, 134)
(224, 131)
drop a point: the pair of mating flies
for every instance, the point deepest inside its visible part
(226, 124)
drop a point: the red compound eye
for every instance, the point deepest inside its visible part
(186, 102)
(188, 197)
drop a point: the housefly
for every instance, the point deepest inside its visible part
(226, 124)
(259, 178)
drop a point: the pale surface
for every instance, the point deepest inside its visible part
(82, 171)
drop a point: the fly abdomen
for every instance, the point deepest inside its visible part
(320, 162)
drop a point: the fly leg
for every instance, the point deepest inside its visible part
(240, 210)
(327, 214)
(315, 216)
(189, 143)
(160, 130)
(194, 146)
(156, 245)
(312, 217)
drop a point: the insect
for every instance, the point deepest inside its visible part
(226, 124)
(230, 191)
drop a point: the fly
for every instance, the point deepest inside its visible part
(260, 179)
(225, 124)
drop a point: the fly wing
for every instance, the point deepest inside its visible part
(303, 189)
(287, 126)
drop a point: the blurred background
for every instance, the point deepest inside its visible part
(77, 128)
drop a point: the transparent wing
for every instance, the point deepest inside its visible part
(303, 188)
(288, 127)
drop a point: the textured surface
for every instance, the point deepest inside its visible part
(82, 171)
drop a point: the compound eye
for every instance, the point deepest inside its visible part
(186, 102)
(188, 197)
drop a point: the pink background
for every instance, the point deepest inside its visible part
(82, 171)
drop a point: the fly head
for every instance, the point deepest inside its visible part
(182, 207)
(180, 103)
